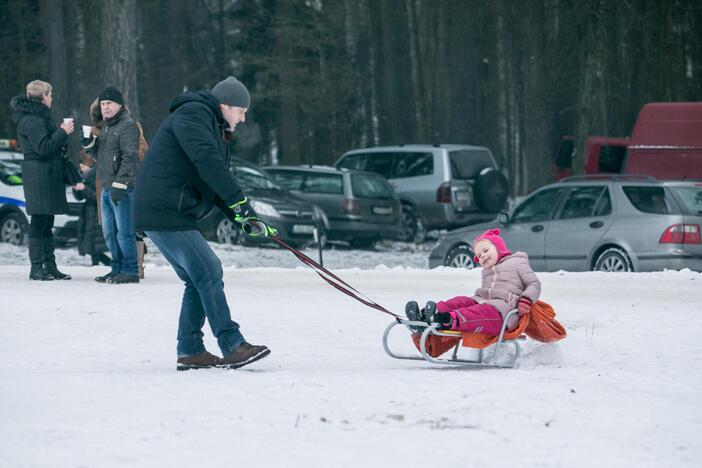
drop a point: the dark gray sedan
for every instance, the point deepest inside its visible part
(360, 207)
(595, 223)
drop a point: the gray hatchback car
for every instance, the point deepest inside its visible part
(607, 223)
(360, 207)
(440, 186)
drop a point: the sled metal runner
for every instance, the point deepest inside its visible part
(433, 329)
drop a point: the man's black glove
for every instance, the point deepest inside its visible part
(117, 192)
(250, 224)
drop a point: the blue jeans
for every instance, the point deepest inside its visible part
(197, 265)
(118, 231)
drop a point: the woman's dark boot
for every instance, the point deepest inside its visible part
(50, 260)
(36, 255)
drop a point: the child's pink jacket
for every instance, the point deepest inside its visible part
(503, 284)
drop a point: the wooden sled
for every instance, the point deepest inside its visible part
(433, 342)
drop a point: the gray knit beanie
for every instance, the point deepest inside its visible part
(232, 92)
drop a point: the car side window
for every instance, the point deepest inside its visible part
(380, 163)
(354, 161)
(288, 180)
(537, 208)
(413, 165)
(648, 199)
(581, 202)
(604, 206)
(323, 183)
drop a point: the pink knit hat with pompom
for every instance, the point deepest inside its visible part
(493, 235)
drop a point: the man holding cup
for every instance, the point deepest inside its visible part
(43, 145)
(115, 150)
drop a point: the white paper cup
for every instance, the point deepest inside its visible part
(86, 131)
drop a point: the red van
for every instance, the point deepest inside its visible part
(666, 143)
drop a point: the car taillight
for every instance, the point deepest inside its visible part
(350, 206)
(681, 234)
(443, 193)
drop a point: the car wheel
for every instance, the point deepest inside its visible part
(613, 259)
(491, 189)
(460, 257)
(408, 218)
(14, 229)
(227, 232)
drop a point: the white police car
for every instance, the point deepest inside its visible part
(14, 221)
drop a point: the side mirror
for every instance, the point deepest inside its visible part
(503, 218)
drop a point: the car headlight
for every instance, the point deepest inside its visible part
(264, 209)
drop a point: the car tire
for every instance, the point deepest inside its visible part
(227, 233)
(14, 229)
(491, 190)
(613, 259)
(460, 257)
(410, 224)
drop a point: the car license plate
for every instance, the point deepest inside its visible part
(302, 229)
(382, 210)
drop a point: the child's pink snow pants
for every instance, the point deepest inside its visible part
(470, 316)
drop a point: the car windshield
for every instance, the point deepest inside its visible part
(11, 172)
(690, 198)
(467, 164)
(251, 178)
(370, 186)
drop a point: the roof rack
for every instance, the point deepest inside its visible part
(615, 177)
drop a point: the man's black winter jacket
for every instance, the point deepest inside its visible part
(186, 168)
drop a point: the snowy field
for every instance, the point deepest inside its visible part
(87, 375)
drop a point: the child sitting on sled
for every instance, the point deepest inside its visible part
(508, 282)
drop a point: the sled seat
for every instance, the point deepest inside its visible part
(432, 342)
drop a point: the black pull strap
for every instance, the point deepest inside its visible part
(334, 280)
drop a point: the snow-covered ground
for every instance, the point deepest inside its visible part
(87, 372)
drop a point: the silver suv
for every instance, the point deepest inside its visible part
(440, 186)
(617, 223)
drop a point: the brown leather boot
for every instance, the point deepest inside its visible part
(199, 361)
(245, 354)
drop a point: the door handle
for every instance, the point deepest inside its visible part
(537, 228)
(596, 224)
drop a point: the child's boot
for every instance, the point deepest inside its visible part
(428, 311)
(414, 314)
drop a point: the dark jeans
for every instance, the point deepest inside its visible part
(197, 265)
(119, 233)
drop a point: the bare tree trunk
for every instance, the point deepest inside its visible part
(56, 47)
(119, 58)
(592, 99)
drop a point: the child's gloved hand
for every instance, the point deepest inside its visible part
(523, 305)
(442, 318)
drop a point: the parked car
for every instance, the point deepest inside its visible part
(361, 207)
(14, 225)
(606, 223)
(294, 218)
(440, 186)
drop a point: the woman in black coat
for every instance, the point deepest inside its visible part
(42, 143)
(90, 239)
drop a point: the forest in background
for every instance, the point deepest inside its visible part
(327, 76)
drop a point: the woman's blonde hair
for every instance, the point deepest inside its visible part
(37, 88)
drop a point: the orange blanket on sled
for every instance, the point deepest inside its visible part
(540, 324)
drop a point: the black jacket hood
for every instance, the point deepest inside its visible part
(203, 97)
(22, 105)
